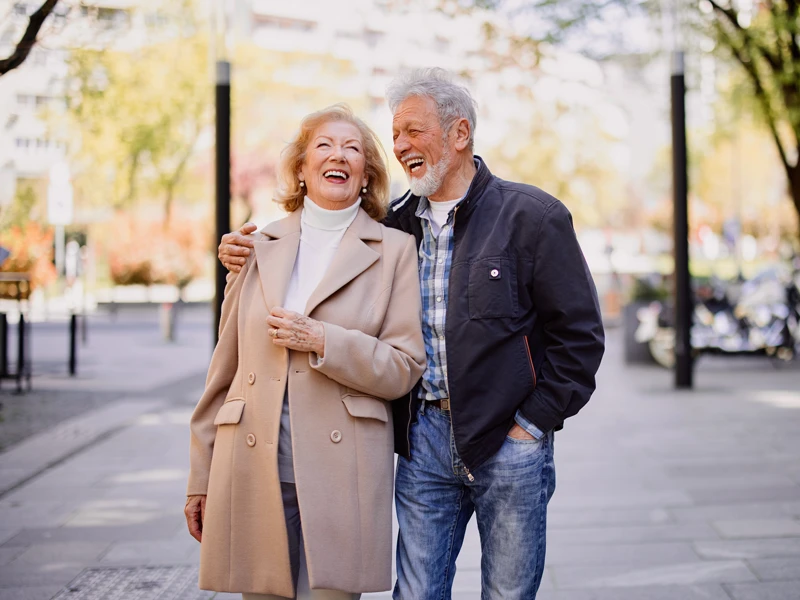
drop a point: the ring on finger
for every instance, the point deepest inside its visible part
(273, 333)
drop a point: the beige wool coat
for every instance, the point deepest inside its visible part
(342, 432)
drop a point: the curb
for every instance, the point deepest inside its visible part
(30, 457)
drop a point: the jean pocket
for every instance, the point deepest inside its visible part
(526, 442)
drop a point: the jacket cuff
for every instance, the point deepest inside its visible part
(528, 426)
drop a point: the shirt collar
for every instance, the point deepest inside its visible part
(424, 203)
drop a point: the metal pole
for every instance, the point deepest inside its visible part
(21, 358)
(680, 181)
(60, 241)
(223, 176)
(3, 345)
(73, 344)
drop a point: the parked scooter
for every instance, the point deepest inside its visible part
(758, 316)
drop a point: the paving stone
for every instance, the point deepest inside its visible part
(6, 533)
(150, 552)
(692, 573)
(615, 500)
(661, 592)
(48, 553)
(563, 519)
(776, 569)
(9, 554)
(732, 481)
(36, 575)
(758, 528)
(39, 451)
(636, 555)
(156, 529)
(622, 535)
(754, 494)
(725, 511)
(36, 592)
(748, 549)
(119, 512)
(142, 583)
(789, 590)
(791, 508)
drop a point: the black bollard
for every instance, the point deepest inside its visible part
(73, 344)
(21, 358)
(3, 345)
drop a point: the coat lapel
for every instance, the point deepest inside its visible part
(352, 258)
(275, 256)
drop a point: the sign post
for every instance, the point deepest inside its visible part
(59, 207)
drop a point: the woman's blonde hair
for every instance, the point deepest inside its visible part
(291, 195)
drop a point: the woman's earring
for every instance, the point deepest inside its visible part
(302, 184)
(364, 190)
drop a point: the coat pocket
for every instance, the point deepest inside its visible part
(230, 413)
(492, 289)
(366, 407)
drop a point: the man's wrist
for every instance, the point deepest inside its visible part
(532, 429)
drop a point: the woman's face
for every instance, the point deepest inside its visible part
(334, 167)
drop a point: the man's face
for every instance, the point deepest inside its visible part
(420, 144)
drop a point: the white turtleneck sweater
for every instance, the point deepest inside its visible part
(321, 232)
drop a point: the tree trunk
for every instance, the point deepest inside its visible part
(794, 189)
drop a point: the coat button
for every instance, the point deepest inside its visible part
(251, 440)
(251, 378)
(336, 436)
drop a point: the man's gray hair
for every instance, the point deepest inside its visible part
(453, 101)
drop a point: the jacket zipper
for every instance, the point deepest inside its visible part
(470, 477)
(530, 360)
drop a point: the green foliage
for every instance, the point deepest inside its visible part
(762, 38)
(18, 213)
(137, 116)
(650, 288)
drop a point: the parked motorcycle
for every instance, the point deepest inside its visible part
(757, 316)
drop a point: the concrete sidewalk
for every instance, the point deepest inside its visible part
(661, 496)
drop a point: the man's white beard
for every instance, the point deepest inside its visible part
(430, 183)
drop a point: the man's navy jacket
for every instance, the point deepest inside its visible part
(531, 338)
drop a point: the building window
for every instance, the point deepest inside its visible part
(284, 23)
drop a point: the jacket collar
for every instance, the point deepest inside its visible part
(276, 254)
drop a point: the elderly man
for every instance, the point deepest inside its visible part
(513, 336)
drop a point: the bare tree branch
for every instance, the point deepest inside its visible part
(733, 18)
(28, 40)
(740, 53)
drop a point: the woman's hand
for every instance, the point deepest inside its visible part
(195, 511)
(296, 332)
(235, 248)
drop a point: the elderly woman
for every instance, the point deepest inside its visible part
(290, 484)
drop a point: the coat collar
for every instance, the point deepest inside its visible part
(276, 253)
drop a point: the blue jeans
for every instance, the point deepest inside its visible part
(435, 501)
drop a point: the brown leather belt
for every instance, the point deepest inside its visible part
(440, 404)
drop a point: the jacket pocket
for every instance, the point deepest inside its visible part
(230, 413)
(366, 407)
(492, 289)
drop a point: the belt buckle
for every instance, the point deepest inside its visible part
(445, 404)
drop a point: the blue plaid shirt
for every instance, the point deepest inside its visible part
(435, 258)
